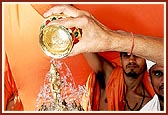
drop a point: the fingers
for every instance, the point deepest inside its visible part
(66, 9)
(70, 22)
(76, 18)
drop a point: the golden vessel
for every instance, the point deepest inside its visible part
(57, 41)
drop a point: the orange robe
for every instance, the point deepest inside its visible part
(11, 100)
(114, 90)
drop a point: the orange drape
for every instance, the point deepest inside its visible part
(10, 90)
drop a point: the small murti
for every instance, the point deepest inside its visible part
(59, 92)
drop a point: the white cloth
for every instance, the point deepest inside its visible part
(152, 105)
(149, 64)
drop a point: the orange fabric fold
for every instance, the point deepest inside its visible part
(114, 90)
(11, 100)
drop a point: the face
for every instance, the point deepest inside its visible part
(133, 66)
(157, 79)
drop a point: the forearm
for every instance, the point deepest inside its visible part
(144, 46)
(98, 63)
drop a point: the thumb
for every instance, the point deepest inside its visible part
(75, 50)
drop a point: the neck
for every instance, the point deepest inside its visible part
(161, 100)
(161, 105)
(132, 83)
(135, 107)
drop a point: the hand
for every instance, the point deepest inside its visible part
(14, 104)
(94, 34)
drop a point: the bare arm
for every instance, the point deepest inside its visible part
(99, 64)
(98, 38)
(144, 46)
(94, 61)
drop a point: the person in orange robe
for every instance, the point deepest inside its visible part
(110, 85)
